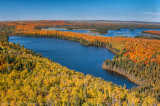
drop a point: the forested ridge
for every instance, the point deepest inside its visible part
(26, 77)
(152, 32)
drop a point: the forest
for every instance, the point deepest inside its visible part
(27, 77)
(152, 32)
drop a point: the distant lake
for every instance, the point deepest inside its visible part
(85, 59)
(111, 33)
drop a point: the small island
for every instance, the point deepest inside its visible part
(132, 30)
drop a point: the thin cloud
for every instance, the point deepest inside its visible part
(151, 13)
(96, 18)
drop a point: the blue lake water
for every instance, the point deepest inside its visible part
(85, 59)
(111, 33)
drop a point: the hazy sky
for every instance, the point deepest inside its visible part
(126, 10)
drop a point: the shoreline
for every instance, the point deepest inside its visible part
(122, 73)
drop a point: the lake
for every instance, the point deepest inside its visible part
(111, 33)
(85, 59)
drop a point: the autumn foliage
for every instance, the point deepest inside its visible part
(152, 32)
(39, 80)
(138, 50)
(27, 78)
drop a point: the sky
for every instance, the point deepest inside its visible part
(123, 10)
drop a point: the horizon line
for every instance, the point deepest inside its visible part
(81, 20)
